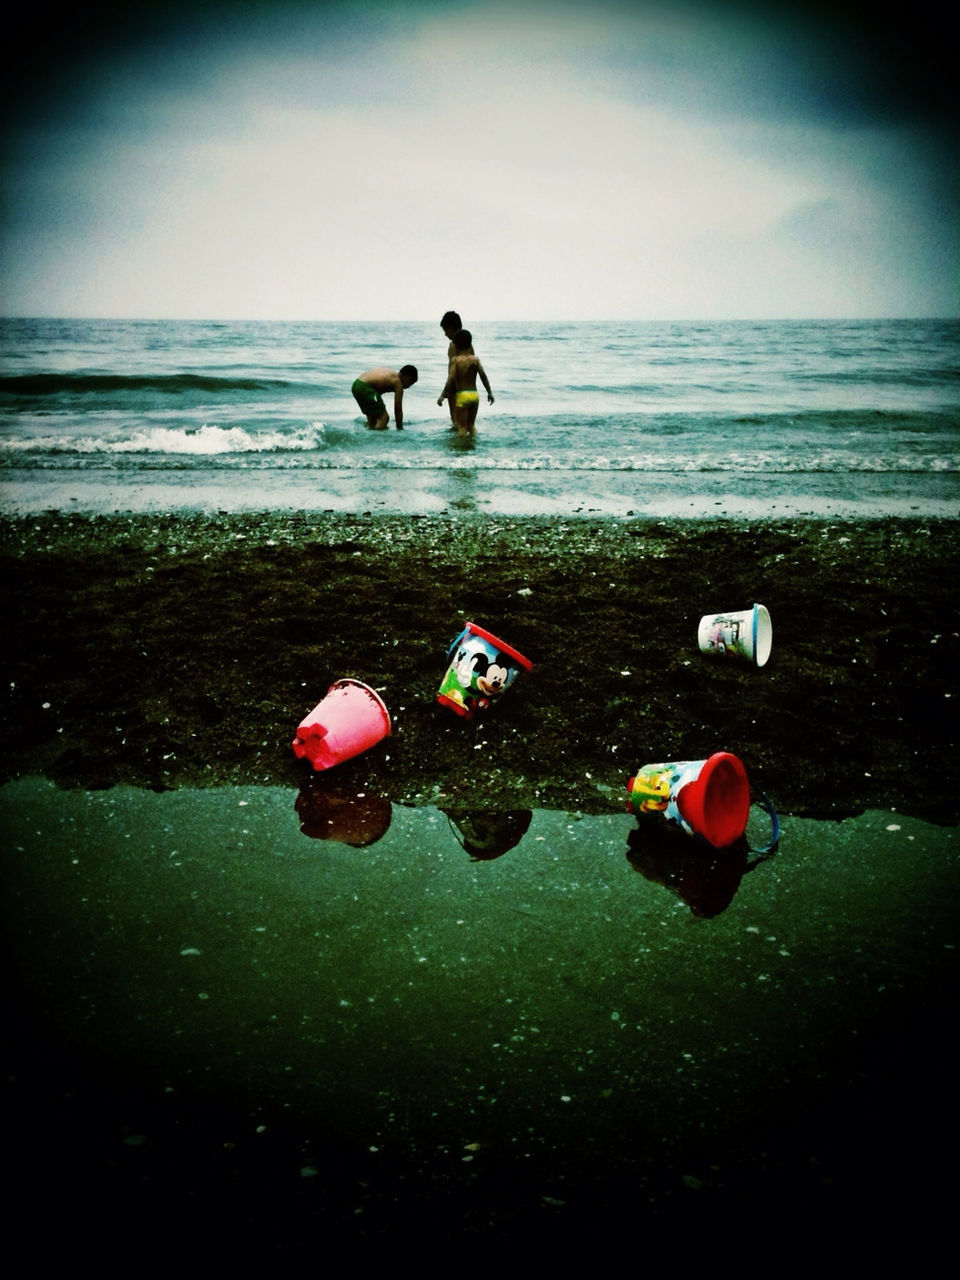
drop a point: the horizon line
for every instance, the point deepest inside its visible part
(689, 319)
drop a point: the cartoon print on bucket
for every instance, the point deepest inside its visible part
(708, 798)
(747, 634)
(480, 667)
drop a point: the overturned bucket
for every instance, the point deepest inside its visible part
(480, 667)
(748, 634)
(350, 719)
(708, 798)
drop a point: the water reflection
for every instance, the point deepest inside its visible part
(462, 495)
(485, 836)
(332, 810)
(706, 879)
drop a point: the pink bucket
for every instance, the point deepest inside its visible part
(350, 719)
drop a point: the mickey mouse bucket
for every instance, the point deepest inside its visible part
(480, 667)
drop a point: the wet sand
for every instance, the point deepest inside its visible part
(230, 1040)
(166, 651)
(227, 1041)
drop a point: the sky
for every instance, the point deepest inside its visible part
(533, 160)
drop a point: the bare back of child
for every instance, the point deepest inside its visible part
(461, 385)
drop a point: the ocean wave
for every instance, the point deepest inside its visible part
(307, 456)
(876, 376)
(55, 384)
(206, 441)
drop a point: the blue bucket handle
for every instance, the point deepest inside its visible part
(771, 845)
(453, 646)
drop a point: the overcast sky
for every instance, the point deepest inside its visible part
(525, 160)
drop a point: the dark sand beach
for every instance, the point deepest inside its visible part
(228, 1042)
(166, 651)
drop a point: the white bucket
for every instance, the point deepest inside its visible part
(747, 635)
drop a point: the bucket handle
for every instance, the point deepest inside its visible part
(771, 845)
(451, 650)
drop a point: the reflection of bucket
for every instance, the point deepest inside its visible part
(708, 798)
(348, 817)
(350, 719)
(745, 635)
(707, 879)
(480, 668)
(486, 836)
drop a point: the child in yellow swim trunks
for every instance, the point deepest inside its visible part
(451, 324)
(461, 386)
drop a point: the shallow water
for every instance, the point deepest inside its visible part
(487, 490)
(834, 419)
(528, 1040)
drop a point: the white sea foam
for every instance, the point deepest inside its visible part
(205, 441)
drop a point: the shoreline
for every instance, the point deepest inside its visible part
(480, 490)
(174, 650)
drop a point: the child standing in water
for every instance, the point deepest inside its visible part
(461, 387)
(451, 324)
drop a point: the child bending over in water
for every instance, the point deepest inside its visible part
(368, 392)
(461, 388)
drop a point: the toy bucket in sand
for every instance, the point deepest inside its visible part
(747, 635)
(480, 667)
(708, 798)
(350, 719)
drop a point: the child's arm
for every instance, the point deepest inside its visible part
(485, 380)
(447, 389)
(398, 405)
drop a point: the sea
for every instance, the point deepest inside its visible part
(838, 419)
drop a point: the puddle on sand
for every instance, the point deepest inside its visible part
(532, 1012)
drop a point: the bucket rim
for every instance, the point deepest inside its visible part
(458, 707)
(721, 760)
(717, 757)
(761, 612)
(508, 649)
